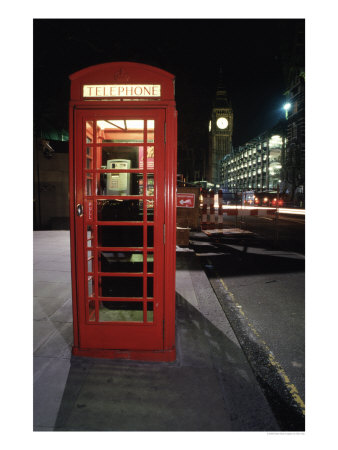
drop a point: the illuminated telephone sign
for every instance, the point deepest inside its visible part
(121, 90)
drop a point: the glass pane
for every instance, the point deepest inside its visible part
(150, 234)
(150, 130)
(121, 262)
(140, 186)
(121, 312)
(89, 132)
(150, 184)
(91, 313)
(120, 130)
(91, 286)
(122, 286)
(150, 287)
(89, 158)
(119, 157)
(122, 210)
(150, 262)
(120, 184)
(90, 259)
(89, 184)
(150, 312)
(150, 157)
(125, 262)
(90, 236)
(121, 236)
(150, 210)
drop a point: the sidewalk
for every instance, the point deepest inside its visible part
(210, 387)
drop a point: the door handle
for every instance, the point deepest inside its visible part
(79, 210)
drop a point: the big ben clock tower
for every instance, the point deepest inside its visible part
(220, 132)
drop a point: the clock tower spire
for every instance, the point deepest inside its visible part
(220, 131)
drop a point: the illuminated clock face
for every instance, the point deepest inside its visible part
(222, 123)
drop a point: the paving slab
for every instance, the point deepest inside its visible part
(148, 398)
(49, 386)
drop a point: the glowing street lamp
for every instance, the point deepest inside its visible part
(287, 106)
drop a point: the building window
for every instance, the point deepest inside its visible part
(294, 131)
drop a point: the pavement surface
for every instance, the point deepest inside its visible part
(210, 386)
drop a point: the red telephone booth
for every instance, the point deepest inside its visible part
(122, 169)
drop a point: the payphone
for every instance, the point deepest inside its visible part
(118, 183)
(122, 163)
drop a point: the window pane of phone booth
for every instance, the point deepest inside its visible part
(89, 184)
(89, 158)
(91, 292)
(150, 130)
(120, 130)
(90, 261)
(150, 157)
(121, 262)
(150, 235)
(89, 132)
(150, 262)
(150, 185)
(120, 184)
(150, 312)
(118, 157)
(125, 262)
(150, 287)
(91, 310)
(121, 236)
(121, 311)
(121, 286)
(90, 236)
(122, 210)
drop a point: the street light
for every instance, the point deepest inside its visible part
(287, 106)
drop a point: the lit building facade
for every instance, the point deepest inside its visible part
(257, 165)
(293, 175)
(294, 156)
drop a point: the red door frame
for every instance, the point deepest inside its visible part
(164, 347)
(125, 336)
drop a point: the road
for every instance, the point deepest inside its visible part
(260, 283)
(285, 232)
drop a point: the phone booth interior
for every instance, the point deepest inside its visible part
(123, 211)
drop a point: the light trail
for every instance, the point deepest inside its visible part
(292, 211)
(264, 208)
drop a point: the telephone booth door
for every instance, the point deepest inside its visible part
(119, 236)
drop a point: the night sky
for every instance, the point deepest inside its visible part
(253, 53)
